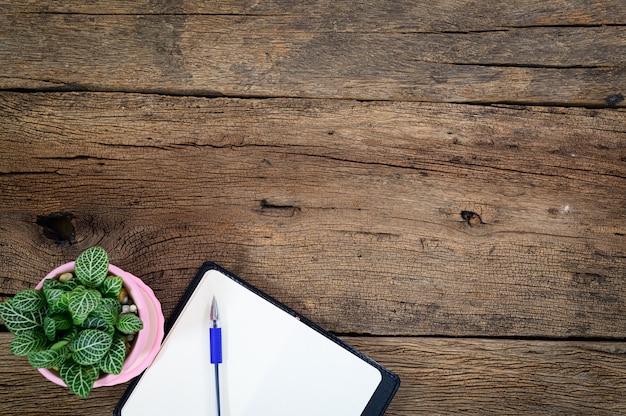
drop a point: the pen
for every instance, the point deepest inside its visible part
(215, 342)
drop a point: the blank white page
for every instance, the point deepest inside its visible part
(273, 364)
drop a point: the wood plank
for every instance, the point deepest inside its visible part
(341, 53)
(460, 220)
(439, 376)
(441, 15)
(498, 377)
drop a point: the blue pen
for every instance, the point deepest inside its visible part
(215, 342)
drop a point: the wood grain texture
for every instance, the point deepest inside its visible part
(502, 377)
(447, 176)
(442, 15)
(563, 53)
(368, 217)
(439, 376)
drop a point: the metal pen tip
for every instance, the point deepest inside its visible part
(214, 315)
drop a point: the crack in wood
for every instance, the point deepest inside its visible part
(34, 172)
(151, 13)
(380, 236)
(281, 210)
(209, 94)
(460, 162)
(528, 66)
(77, 157)
(148, 13)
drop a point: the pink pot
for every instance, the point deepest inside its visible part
(148, 340)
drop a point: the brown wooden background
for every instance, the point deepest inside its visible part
(442, 184)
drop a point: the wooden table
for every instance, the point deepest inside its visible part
(442, 184)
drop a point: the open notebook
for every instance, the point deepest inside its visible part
(275, 362)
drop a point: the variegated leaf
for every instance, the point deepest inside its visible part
(113, 361)
(90, 346)
(69, 285)
(29, 300)
(111, 287)
(52, 297)
(69, 335)
(47, 358)
(50, 284)
(91, 266)
(18, 321)
(82, 302)
(27, 342)
(95, 322)
(79, 378)
(129, 323)
(49, 328)
(62, 304)
(62, 321)
(108, 309)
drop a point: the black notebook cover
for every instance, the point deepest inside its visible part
(275, 361)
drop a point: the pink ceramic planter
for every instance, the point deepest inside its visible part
(148, 340)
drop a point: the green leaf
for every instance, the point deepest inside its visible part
(48, 358)
(92, 266)
(5, 309)
(56, 284)
(90, 346)
(27, 342)
(61, 304)
(79, 378)
(49, 328)
(113, 360)
(129, 323)
(52, 296)
(62, 321)
(18, 321)
(59, 345)
(108, 309)
(29, 300)
(69, 285)
(82, 302)
(114, 306)
(70, 335)
(50, 284)
(111, 287)
(95, 322)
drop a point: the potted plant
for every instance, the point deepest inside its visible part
(87, 324)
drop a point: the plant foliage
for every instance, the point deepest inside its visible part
(75, 327)
(92, 266)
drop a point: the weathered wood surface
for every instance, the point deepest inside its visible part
(355, 214)
(439, 376)
(544, 52)
(502, 377)
(458, 14)
(406, 173)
